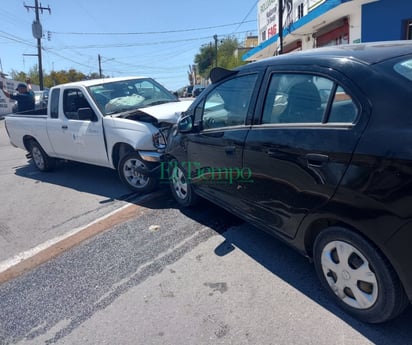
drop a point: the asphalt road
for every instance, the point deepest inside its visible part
(172, 276)
(37, 207)
(165, 275)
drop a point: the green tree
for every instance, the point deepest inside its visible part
(226, 58)
(20, 76)
(204, 59)
(53, 78)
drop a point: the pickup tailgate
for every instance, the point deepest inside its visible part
(22, 126)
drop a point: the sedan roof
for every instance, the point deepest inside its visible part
(368, 53)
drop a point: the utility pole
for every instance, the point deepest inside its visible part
(215, 38)
(100, 65)
(38, 34)
(280, 15)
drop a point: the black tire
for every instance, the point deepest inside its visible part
(131, 171)
(360, 279)
(40, 159)
(180, 185)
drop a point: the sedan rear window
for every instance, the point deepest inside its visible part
(404, 68)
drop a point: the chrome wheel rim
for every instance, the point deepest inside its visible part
(132, 174)
(37, 157)
(179, 182)
(349, 275)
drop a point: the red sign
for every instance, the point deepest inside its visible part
(272, 31)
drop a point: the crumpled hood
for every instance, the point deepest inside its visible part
(168, 112)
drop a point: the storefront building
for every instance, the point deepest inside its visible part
(318, 23)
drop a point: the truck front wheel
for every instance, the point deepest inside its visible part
(132, 173)
(40, 158)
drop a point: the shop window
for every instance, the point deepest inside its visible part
(300, 11)
(336, 36)
(263, 36)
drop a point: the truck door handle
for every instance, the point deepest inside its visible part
(64, 127)
(316, 159)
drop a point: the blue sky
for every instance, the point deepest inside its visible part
(156, 38)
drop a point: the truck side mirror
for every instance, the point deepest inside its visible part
(86, 114)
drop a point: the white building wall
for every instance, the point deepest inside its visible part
(308, 42)
(355, 25)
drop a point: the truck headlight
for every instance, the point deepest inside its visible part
(159, 140)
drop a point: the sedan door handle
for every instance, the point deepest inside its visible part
(230, 149)
(64, 127)
(272, 153)
(316, 159)
(276, 154)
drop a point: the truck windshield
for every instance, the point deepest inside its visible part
(125, 95)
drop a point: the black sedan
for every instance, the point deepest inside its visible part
(314, 147)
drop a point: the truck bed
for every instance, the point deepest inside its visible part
(35, 112)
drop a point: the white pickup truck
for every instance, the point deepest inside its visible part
(121, 123)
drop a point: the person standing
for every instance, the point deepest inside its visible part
(24, 97)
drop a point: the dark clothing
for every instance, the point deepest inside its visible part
(25, 101)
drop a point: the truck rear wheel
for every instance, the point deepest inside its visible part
(131, 171)
(41, 160)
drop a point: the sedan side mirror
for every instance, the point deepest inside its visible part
(185, 124)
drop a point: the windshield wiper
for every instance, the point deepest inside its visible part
(120, 111)
(160, 102)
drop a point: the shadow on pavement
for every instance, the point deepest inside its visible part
(81, 177)
(293, 268)
(298, 272)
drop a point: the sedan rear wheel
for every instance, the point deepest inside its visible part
(360, 278)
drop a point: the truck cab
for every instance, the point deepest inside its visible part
(120, 123)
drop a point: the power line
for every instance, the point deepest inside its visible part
(247, 15)
(14, 38)
(152, 32)
(151, 43)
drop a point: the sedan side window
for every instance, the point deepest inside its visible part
(343, 109)
(304, 98)
(296, 98)
(228, 104)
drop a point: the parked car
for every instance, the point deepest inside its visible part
(41, 98)
(197, 89)
(188, 91)
(313, 147)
